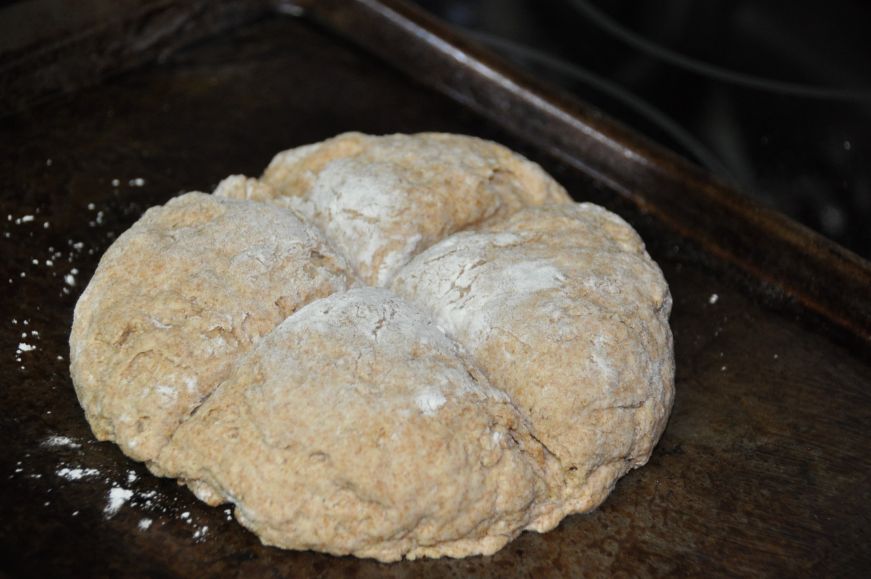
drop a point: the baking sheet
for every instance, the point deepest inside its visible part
(763, 469)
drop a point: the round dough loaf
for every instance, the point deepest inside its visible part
(381, 200)
(511, 362)
(177, 299)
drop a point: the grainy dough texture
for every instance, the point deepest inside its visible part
(399, 346)
(381, 200)
(177, 299)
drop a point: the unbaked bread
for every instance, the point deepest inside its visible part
(562, 309)
(357, 426)
(381, 200)
(177, 299)
(400, 346)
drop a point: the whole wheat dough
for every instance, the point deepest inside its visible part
(177, 299)
(563, 310)
(357, 426)
(381, 200)
(510, 361)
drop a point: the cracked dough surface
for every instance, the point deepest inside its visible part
(177, 299)
(401, 346)
(563, 310)
(383, 199)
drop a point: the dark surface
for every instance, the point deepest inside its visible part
(763, 470)
(51, 47)
(788, 124)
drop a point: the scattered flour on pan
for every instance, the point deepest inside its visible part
(57, 440)
(200, 533)
(117, 497)
(77, 473)
(120, 494)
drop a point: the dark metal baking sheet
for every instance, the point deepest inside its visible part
(763, 469)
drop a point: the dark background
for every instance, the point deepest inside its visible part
(773, 97)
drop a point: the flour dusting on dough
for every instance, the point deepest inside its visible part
(429, 401)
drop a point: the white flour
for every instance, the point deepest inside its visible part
(467, 291)
(77, 473)
(57, 440)
(116, 499)
(353, 202)
(429, 401)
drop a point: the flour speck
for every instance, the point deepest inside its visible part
(429, 401)
(77, 473)
(57, 440)
(117, 497)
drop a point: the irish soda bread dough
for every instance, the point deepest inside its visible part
(400, 346)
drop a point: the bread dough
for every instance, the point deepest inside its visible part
(177, 299)
(401, 346)
(564, 310)
(357, 426)
(381, 200)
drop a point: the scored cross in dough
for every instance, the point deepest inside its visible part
(563, 309)
(177, 299)
(381, 200)
(357, 426)
(510, 360)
